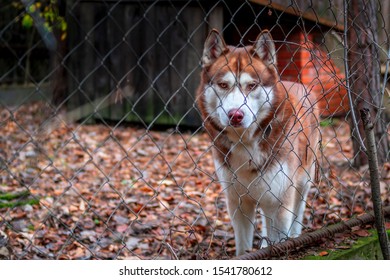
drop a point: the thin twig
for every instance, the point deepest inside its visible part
(170, 249)
(375, 182)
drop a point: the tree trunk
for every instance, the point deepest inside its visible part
(364, 75)
(58, 79)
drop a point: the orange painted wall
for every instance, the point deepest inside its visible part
(300, 60)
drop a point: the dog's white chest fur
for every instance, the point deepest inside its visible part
(247, 175)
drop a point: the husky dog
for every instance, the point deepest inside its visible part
(265, 137)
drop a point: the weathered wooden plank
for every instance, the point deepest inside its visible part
(141, 62)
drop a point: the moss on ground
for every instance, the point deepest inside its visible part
(365, 248)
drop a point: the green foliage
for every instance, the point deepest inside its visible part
(327, 122)
(27, 21)
(11, 200)
(48, 11)
(12, 204)
(11, 196)
(365, 248)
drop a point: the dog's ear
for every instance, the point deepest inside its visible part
(214, 47)
(264, 48)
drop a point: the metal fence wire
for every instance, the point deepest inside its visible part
(104, 153)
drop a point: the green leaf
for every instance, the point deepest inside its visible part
(27, 21)
(47, 27)
(32, 8)
(64, 25)
(326, 122)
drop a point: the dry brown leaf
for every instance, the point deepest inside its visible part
(362, 233)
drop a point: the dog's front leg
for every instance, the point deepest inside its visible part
(242, 211)
(283, 218)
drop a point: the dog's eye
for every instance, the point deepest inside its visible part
(223, 85)
(251, 86)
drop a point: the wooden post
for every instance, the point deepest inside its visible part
(363, 74)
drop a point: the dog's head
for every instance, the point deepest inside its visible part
(238, 82)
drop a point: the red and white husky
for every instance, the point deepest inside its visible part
(264, 134)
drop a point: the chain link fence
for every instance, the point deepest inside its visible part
(103, 154)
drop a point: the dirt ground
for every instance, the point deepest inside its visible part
(124, 192)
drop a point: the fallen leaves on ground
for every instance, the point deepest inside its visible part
(130, 193)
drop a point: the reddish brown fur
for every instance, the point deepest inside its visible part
(237, 60)
(268, 158)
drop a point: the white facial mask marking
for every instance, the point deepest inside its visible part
(255, 105)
